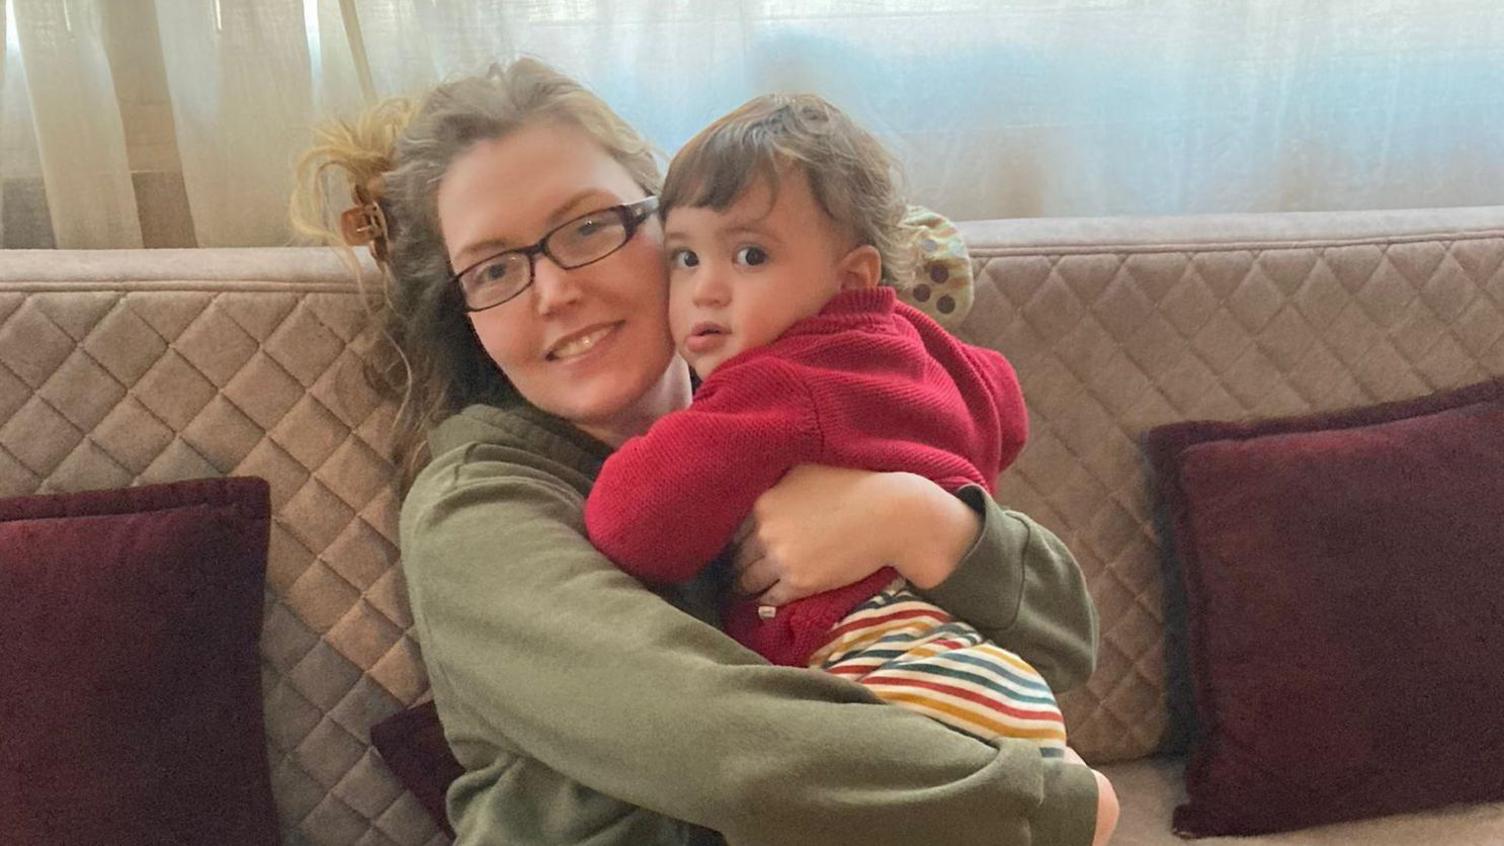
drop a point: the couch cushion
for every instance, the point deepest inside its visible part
(1117, 325)
(412, 744)
(130, 686)
(1149, 790)
(1345, 602)
(122, 367)
(127, 367)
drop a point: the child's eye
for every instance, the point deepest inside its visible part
(683, 258)
(752, 256)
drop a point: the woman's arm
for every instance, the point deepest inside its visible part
(536, 643)
(517, 799)
(1022, 588)
(824, 527)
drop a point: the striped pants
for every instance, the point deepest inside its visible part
(913, 654)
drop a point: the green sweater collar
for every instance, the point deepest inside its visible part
(522, 425)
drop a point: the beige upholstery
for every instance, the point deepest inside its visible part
(1150, 788)
(121, 368)
(1118, 325)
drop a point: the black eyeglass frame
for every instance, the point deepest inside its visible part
(632, 215)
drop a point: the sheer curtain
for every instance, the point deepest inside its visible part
(172, 122)
(78, 137)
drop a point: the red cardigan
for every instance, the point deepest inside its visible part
(868, 383)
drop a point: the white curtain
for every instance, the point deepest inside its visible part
(997, 109)
(76, 123)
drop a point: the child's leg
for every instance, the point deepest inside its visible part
(913, 654)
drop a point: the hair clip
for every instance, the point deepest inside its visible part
(365, 224)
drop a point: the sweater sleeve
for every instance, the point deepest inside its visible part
(667, 502)
(1021, 587)
(1002, 385)
(546, 659)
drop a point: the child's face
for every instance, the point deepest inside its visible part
(738, 278)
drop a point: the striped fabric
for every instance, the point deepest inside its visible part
(913, 654)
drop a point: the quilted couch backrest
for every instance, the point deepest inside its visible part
(133, 367)
(1117, 325)
(129, 367)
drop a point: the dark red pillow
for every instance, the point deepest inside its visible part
(130, 687)
(412, 744)
(1344, 584)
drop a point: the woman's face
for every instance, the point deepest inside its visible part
(590, 345)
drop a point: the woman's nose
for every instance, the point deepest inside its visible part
(553, 286)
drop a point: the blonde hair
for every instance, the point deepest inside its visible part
(853, 178)
(433, 362)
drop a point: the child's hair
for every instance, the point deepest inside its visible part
(397, 153)
(852, 177)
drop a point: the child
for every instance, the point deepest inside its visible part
(781, 219)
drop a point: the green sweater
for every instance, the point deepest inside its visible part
(587, 710)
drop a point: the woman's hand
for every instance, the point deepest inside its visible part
(1107, 802)
(821, 528)
(1107, 811)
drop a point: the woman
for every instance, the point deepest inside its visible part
(584, 708)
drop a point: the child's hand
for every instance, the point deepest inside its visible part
(821, 528)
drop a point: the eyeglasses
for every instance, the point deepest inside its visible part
(584, 240)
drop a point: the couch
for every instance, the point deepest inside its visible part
(123, 368)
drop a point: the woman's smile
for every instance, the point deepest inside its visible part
(579, 343)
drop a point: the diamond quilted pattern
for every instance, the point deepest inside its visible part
(263, 391)
(124, 344)
(404, 821)
(363, 634)
(1480, 326)
(178, 461)
(31, 344)
(304, 345)
(39, 437)
(84, 389)
(174, 390)
(365, 791)
(106, 385)
(13, 393)
(15, 476)
(89, 467)
(395, 671)
(222, 434)
(132, 435)
(1112, 341)
(309, 432)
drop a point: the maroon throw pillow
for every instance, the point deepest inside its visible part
(130, 686)
(412, 744)
(1343, 576)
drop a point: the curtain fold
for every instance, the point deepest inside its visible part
(4, 116)
(242, 101)
(76, 117)
(397, 47)
(24, 218)
(996, 108)
(337, 84)
(5, 119)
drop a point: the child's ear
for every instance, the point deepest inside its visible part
(861, 268)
